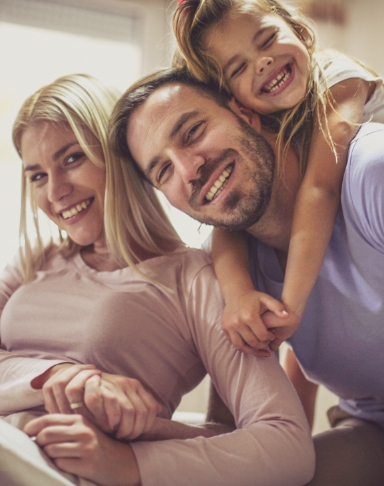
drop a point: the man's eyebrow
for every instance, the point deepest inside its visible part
(234, 58)
(55, 156)
(177, 126)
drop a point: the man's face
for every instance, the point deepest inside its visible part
(207, 161)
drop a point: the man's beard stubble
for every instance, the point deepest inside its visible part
(241, 209)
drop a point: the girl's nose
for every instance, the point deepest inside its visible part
(263, 63)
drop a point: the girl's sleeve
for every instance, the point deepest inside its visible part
(272, 444)
(17, 369)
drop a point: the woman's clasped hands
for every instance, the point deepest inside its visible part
(118, 405)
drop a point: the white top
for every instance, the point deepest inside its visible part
(339, 67)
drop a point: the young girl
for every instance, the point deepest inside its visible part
(264, 54)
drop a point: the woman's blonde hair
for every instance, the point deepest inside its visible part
(85, 105)
(194, 19)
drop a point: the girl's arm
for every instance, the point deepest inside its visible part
(243, 304)
(318, 199)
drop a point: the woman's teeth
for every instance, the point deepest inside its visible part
(219, 184)
(76, 209)
(275, 84)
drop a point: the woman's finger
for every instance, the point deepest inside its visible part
(152, 406)
(54, 390)
(103, 404)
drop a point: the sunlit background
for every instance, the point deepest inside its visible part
(118, 41)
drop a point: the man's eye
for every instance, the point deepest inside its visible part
(193, 131)
(238, 70)
(162, 172)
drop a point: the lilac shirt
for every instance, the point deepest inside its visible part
(340, 341)
(167, 340)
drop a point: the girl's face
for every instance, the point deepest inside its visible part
(66, 185)
(265, 64)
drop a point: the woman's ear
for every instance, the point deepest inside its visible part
(246, 114)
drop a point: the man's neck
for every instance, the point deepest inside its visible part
(274, 228)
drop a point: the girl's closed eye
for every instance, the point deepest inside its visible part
(238, 70)
(269, 40)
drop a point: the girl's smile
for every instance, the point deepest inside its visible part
(265, 64)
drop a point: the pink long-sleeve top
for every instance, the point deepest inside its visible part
(167, 339)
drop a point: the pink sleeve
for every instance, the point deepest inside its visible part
(17, 370)
(272, 445)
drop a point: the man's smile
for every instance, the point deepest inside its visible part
(218, 186)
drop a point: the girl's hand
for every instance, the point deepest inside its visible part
(281, 328)
(243, 325)
(115, 403)
(76, 446)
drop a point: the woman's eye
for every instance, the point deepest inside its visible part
(71, 159)
(37, 177)
(237, 71)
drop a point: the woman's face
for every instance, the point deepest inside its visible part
(66, 185)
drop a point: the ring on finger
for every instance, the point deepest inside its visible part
(74, 406)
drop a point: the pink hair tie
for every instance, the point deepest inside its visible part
(180, 1)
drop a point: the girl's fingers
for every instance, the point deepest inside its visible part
(273, 305)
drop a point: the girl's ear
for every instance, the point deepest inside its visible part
(246, 114)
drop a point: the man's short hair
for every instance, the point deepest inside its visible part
(139, 92)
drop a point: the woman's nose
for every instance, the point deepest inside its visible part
(58, 188)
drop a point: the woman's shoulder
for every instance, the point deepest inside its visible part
(177, 269)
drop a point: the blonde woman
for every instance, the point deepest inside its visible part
(109, 326)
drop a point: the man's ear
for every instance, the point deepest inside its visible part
(246, 114)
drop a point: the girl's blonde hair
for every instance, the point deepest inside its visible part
(137, 223)
(194, 19)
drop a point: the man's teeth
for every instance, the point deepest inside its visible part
(76, 209)
(219, 184)
(277, 82)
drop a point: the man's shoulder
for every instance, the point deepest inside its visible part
(366, 151)
(362, 196)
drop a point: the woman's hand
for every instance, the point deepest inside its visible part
(76, 446)
(115, 403)
(244, 326)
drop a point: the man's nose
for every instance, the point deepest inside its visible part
(187, 164)
(263, 63)
(58, 187)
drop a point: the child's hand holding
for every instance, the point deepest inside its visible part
(282, 328)
(243, 325)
